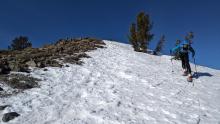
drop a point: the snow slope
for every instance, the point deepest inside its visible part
(119, 86)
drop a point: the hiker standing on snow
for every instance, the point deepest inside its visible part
(184, 49)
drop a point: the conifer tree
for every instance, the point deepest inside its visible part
(133, 37)
(144, 26)
(160, 45)
(20, 43)
(140, 35)
(189, 37)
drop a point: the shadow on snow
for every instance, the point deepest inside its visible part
(202, 74)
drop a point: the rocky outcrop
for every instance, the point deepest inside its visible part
(75, 59)
(3, 107)
(4, 67)
(9, 116)
(16, 83)
(70, 50)
(22, 82)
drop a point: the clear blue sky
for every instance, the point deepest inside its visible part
(45, 21)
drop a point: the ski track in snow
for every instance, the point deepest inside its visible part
(119, 86)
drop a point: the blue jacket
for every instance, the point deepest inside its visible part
(182, 49)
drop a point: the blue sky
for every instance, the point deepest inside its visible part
(45, 21)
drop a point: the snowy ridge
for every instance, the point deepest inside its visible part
(119, 86)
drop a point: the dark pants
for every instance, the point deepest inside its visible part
(185, 62)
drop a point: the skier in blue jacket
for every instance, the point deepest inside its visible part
(184, 48)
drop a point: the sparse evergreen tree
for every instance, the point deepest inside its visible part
(160, 45)
(20, 43)
(189, 36)
(144, 26)
(133, 37)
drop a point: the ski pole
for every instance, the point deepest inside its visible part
(172, 64)
(195, 66)
(171, 59)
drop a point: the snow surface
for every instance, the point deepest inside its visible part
(119, 86)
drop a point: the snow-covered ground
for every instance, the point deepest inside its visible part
(119, 86)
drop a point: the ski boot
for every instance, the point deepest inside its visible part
(190, 78)
(185, 72)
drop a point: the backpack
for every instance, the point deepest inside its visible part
(185, 47)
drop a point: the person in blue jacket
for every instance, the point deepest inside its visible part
(184, 48)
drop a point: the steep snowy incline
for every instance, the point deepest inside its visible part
(119, 86)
